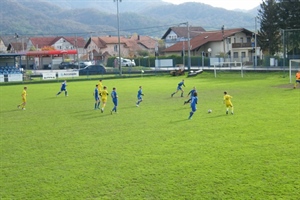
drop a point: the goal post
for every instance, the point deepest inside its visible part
(294, 64)
(228, 66)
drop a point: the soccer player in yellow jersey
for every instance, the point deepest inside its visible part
(104, 95)
(100, 86)
(227, 101)
(24, 94)
(297, 79)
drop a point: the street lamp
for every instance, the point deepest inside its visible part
(119, 45)
(189, 44)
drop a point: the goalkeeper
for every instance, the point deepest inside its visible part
(297, 79)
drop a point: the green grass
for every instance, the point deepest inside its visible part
(60, 148)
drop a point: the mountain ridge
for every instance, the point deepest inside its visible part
(41, 17)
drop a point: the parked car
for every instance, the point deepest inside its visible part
(83, 64)
(67, 65)
(127, 63)
(92, 70)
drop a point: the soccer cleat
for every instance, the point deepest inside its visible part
(137, 105)
(226, 112)
(23, 108)
(18, 106)
(101, 110)
(232, 113)
(172, 95)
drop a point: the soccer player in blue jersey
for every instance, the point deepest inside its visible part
(179, 87)
(194, 102)
(139, 96)
(63, 88)
(190, 94)
(97, 99)
(114, 97)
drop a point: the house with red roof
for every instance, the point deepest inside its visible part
(231, 44)
(179, 34)
(100, 48)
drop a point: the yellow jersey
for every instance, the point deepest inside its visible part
(100, 86)
(227, 100)
(24, 94)
(104, 94)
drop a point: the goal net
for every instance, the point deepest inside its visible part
(227, 66)
(294, 66)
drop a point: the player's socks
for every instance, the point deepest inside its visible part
(98, 105)
(191, 114)
(66, 93)
(95, 106)
(172, 94)
(182, 94)
(58, 93)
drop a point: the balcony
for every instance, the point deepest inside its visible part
(241, 45)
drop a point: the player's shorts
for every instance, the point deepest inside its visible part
(139, 98)
(298, 81)
(179, 88)
(194, 108)
(104, 100)
(96, 98)
(24, 100)
(229, 105)
(63, 89)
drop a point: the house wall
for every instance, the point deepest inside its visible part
(171, 39)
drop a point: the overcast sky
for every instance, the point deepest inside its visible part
(227, 4)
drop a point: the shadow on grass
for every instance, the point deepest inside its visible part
(180, 120)
(8, 111)
(217, 116)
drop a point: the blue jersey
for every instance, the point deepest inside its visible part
(140, 94)
(191, 93)
(96, 93)
(114, 97)
(180, 85)
(63, 86)
(194, 103)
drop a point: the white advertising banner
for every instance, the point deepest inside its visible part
(1, 78)
(49, 76)
(68, 74)
(15, 77)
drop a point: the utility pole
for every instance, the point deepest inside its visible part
(189, 46)
(223, 42)
(119, 43)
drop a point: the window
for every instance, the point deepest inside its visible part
(229, 40)
(242, 40)
(116, 48)
(243, 54)
(235, 55)
(248, 39)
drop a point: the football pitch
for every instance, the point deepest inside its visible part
(61, 148)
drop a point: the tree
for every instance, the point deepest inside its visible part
(289, 15)
(269, 34)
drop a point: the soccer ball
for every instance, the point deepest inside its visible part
(209, 111)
